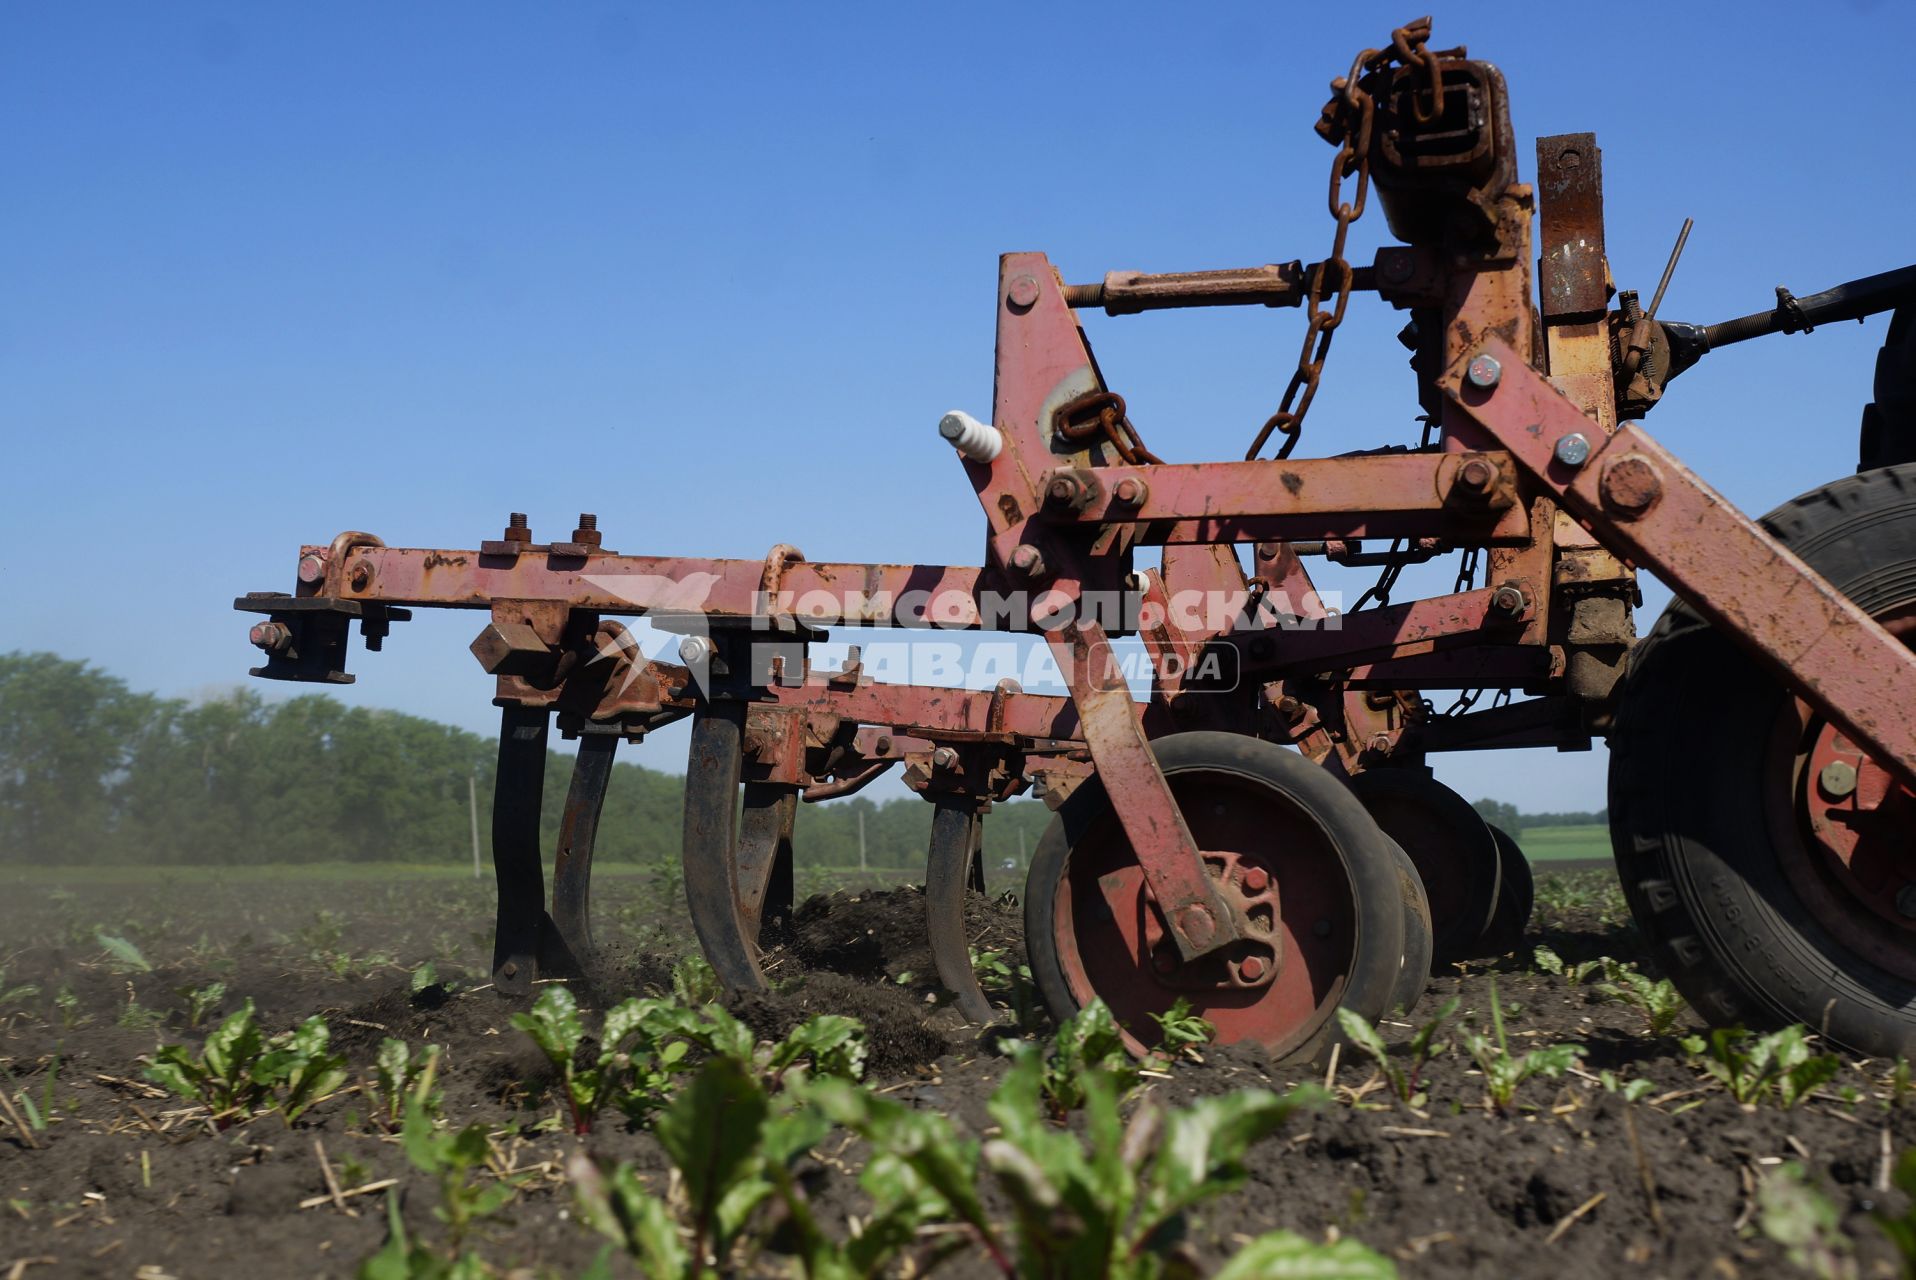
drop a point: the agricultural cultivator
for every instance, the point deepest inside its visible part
(1763, 745)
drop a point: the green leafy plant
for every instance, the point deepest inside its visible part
(1111, 1203)
(455, 1158)
(123, 956)
(1548, 961)
(1421, 1047)
(1796, 1215)
(1900, 1228)
(239, 1070)
(1505, 1072)
(68, 1003)
(404, 1258)
(1087, 1043)
(1754, 1068)
(200, 1002)
(1657, 1000)
(1181, 1033)
(1630, 1090)
(19, 994)
(999, 977)
(732, 1145)
(404, 1077)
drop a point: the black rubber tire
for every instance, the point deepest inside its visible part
(1362, 848)
(1413, 975)
(1450, 845)
(1516, 896)
(1889, 422)
(1688, 783)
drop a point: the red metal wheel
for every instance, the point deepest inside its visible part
(1845, 829)
(1313, 881)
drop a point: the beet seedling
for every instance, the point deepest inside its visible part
(239, 1070)
(1421, 1047)
(1753, 1067)
(1656, 999)
(1504, 1072)
(1181, 1033)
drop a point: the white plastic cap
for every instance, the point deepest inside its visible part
(977, 440)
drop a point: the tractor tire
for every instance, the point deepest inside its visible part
(1413, 975)
(1516, 896)
(1334, 905)
(1733, 868)
(1889, 422)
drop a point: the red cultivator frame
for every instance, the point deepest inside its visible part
(1192, 856)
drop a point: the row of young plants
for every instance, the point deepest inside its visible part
(1083, 1175)
(1780, 1068)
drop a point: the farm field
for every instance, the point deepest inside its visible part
(1631, 1156)
(1555, 844)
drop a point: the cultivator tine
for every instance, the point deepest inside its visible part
(711, 844)
(765, 859)
(578, 832)
(951, 868)
(524, 938)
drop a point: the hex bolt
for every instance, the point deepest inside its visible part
(1022, 292)
(587, 534)
(1269, 550)
(1251, 968)
(883, 745)
(273, 637)
(361, 577)
(1380, 744)
(517, 530)
(1906, 901)
(695, 649)
(1631, 485)
(1256, 880)
(1573, 450)
(1130, 491)
(944, 758)
(312, 567)
(1199, 926)
(1476, 476)
(1838, 779)
(1064, 490)
(588, 521)
(1028, 560)
(1483, 371)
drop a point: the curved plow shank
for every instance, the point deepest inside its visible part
(765, 860)
(955, 830)
(711, 840)
(578, 832)
(524, 938)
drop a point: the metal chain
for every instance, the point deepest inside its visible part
(1102, 414)
(1346, 123)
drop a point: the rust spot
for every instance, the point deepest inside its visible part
(1293, 482)
(440, 560)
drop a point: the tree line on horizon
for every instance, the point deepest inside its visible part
(92, 771)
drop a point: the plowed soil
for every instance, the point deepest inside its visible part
(124, 1181)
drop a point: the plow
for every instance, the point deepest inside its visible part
(1258, 832)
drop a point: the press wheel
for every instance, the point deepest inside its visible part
(1451, 847)
(1311, 878)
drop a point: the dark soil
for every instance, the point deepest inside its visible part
(126, 1182)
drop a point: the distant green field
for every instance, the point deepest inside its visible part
(1547, 844)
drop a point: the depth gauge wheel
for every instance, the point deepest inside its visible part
(1770, 863)
(1312, 878)
(1451, 847)
(1516, 896)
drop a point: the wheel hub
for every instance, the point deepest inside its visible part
(1252, 961)
(1862, 823)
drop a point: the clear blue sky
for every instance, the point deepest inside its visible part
(712, 271)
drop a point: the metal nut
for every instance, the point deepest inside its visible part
(1508, 600)
(1484, 371)
(1130, 491)
(273, 637)
(1573, 450)
(944, 758)
(695, 649)
(1028, 560)
(1022, 293)
(1064, 490)
(312, 567)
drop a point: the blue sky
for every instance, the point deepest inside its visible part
(714, 271)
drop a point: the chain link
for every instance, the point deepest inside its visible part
(1346, 123)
